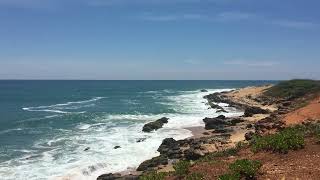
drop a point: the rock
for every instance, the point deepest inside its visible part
(170, 148)
(215, 123)
(109, 176)
(152, 163)
(193, 154)
(87, 149)
(249, 135)
(155, 125)
(250, 111)
(117, 147)
(204, 90)
(235, 121)
(206, 133)
(221, 111)
(141, 140)
(249, 126)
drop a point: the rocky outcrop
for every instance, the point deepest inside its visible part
(152, 163)
(215, 123)
(250, 111)
(222, 98)
(249, 135)
(273, 122)
(204, 90)
(220, 122)
(170, 148)
(155, 125)
(117, 176)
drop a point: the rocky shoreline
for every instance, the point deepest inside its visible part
(220, 133)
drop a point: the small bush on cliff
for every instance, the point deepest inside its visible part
(243, 168)
(181, 168)
(231, 176)
(154, 176)
(246, 168)
(195, 176)
(293, 88)
(288, 139)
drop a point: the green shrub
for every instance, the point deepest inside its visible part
(154, 176)
(293, 88)
(246, 168)
(181, 168)
(195, 176)
(211, 156)
(287, 139)
(231, 176)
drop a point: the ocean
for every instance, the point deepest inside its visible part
(68, 129)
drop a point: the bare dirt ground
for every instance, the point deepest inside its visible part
(303, 164)
(309, 112)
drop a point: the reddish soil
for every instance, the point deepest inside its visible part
(302, 164)
(309, 112)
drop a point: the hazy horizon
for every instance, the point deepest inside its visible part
(159, 40)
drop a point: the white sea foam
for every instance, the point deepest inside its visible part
(61, 108)
(65, 151)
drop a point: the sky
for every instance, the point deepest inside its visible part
(160, 39)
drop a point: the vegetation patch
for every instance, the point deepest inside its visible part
(154, 176)
(288, 139)
(181, 168)
(293, 89)
(243, 168)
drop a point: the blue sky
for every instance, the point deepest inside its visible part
(159, 39)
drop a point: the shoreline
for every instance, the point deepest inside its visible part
(204, 141)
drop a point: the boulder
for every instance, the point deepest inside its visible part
(250, 111)
(140, 140)
(249, 135)
(117, 177)
(215, 123)
(109, 176)
(155, 125)
(170, 148)
(204, 90)
(87, 149)
(152, 163)
(193, 154)
(117, 147)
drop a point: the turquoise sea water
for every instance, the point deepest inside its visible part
(46, 125)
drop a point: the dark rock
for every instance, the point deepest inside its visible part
(141, 140)
(170, 148)
(250, 111)
(117, 147)
(130, 177)
(155, 125)
(109, 176)
(152, 163)
(221, 111)
(221, 131)
(193, 154)
(249, 126)
(204, 90)
(215, 123)
(87, 149)
(249, 135)
(206, 133)
(235, 121)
